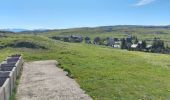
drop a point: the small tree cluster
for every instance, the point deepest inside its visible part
(123, 44)
(158, 46)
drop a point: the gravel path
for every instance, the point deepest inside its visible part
(42, 80)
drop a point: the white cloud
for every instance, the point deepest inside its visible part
(144, 2)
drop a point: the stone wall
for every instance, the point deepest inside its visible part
(9, 71)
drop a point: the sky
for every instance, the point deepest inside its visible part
(56, 14)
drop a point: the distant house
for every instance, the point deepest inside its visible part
(129, 39)
(87, 40)
(116, 46)
(74, 38)
(118, 42)
(134, 46)
(140, 42)
(148, 47)
(138, 46)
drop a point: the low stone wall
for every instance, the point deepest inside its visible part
(9, 71)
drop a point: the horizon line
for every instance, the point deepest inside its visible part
(80, 27)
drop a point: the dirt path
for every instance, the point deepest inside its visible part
(42, 80)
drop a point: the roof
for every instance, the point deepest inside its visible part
(129, 36)
(148, 46)
(74, 36)
(134, 45)
(140, 42)
(116, 46)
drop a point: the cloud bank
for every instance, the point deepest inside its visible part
(144, 2)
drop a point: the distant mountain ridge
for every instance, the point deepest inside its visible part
(85, 28)
(15, 30)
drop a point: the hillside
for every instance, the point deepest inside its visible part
(104, 73)
(142, 32)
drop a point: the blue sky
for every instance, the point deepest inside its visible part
(55, 14)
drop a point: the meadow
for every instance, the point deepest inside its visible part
(103, 72)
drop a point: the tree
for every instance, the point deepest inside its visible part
(87, 40)
(102, 41)
(158, 45)
(143, 45)
(97, 40)
(136, 40)
(123, 44)
(66, 39)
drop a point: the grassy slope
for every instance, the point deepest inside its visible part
(119, 32)
(105, 73)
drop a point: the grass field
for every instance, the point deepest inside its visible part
(104, 73)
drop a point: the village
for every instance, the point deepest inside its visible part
(130, 43)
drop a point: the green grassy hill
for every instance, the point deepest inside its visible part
(143, 32)
(104, 73)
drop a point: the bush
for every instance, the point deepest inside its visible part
(25, 44)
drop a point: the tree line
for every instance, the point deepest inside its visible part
(131, 43)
